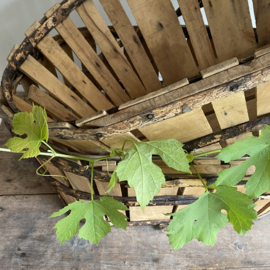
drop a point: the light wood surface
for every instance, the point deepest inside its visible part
(165, 39)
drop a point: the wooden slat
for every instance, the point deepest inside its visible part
(132, 44)
(56, 88)
(238, 138)
(219, 67)
(193, 191)
(53, 107)
(25, 107)
(2, 97)
(262, 51)
(231, 28)
(103, 187)
(231, 110)
(208, 148)
(261, 10)
(78, 182)
(163, 34)
(50, 48)
(118, 140)
(263, 99)
(150, 213)
(197, 32)
(184, 183)
(261, 205)
(111, 50)
(85, 120)
(184, 128)
(163, 191)
(92, 62)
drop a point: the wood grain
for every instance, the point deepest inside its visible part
(163, 34)
(132, 44)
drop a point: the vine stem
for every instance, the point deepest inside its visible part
(92, 180)
(207, 153)
(192, 165)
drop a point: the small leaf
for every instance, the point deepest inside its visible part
(142, 174)
(203, 219)
(95, 227)
(258, 148)
(112, 182)
(34, 126)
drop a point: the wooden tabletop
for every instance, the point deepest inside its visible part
(28, 240)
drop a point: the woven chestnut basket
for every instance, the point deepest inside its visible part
(206, 86)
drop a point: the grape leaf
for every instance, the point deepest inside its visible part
(206, 211)
(142, 174)
(34, 126)
(258, 148)
(95, 227)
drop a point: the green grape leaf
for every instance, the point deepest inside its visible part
(112, 182)
(34, 126)
(95, 227)
(142, 174)
(203, 219)
(258, 149)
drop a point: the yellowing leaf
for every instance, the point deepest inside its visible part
(34, 126)
(95, 227)
(142, 174)
(203, 219)
(258, 148)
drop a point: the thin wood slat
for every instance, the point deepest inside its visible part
(184, 128)
(163, 191)
(231, 110)
(219, 67)
(58, 125)
(197, 32)
(150, 213)
(163, 34)
(193, 191)
(109, 47)
(53, 107)
(78, 182)
(25, 107)
(261, 10)
(86, 121)
(91, 61)
(132, 44)
(263, 98)
(56, 88)
(262, 51)
(59, 58)
(103, 187)
(231, 28)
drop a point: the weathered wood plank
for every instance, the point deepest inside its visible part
(132, 44)
(150, 213)
(111, 50)
(163, 34)
(53, 107)
(92, 62)
(231, 110)
(197, 32)
(231, 28)
(85, 121)
(184, 128)
(56, 88)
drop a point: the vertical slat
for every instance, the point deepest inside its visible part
(231, 28)
(185, 127)
(53, 107)
(263, 99)
(92, 62)
(262, 11)
(164, 36)
(197, 32)
(50, 48)
(132, 44)
(231, 110)
(109, 47)
(103, 187)
(56, 88)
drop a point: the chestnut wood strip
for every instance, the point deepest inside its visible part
(197, 32)
(111, 50)
(262, 10)
(23, 106)
(91, 61)
(184, 128)
(150, 213)
(53, 107)
(59, 58)
(32, 68)
(132, 44)
(231, 28)
(164, 36)
(231, 110)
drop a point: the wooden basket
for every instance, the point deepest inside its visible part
(204, 85)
